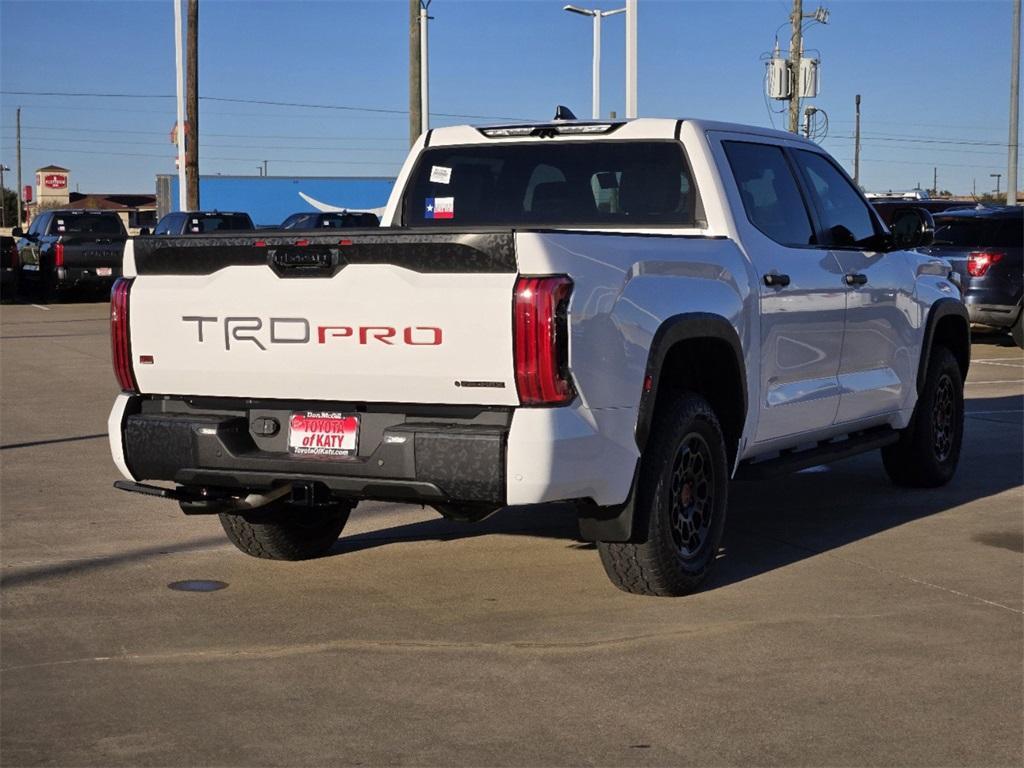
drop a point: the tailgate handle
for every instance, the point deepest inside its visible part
(294, 261)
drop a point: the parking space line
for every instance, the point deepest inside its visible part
(999, 363)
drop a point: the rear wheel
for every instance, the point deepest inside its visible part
(282, 531)
(680, 505)
(928, 450)
(1017, 331)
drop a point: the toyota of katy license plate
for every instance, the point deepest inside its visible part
(323, 434)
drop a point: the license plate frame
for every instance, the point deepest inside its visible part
(329, 435)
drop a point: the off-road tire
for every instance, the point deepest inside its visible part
(928, 450)
(1017, 331)
(660, 560)
(286, 532)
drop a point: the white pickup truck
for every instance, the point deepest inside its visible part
(624, 316)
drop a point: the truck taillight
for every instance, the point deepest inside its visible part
(58, 255)
(539, 319)
(120, 342)
(978, 262)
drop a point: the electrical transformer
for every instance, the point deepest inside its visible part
(779, 82)
(809, 78)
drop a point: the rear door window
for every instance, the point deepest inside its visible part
(771, 197)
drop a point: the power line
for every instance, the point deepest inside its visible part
(379, 163)
(206, 133)
(264, 102)
(124, 142)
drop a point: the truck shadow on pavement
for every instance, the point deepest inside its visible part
(778, 522)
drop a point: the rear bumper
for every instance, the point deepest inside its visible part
(69, 277)
(421, 459)
(992, 311)
(499, 456)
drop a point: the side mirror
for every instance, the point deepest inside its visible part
(912, 228)
(17, 232)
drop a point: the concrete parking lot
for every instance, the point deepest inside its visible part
(848, 623)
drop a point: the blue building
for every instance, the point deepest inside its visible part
(271, 199)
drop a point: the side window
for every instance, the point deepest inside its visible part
(38, 226)
(163, 227)
(770, 194)
(845, 218)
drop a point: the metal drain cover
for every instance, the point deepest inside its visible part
(197, 585)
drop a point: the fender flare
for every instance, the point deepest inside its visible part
(943, 308)
(615, 523)
(683, 327)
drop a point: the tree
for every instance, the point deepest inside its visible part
(10, 203)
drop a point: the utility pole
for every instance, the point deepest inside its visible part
(796, 20)
(192, 120)
(17, 118)
(856, 144)
(415, 96)
(935, 182)
(264, 167)
(1011, 165)
(179, 77)
(3, 197)
(997, 177)
(631, 78)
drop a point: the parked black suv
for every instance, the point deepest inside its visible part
(985, 246)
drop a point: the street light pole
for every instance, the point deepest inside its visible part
(1011, 165)
(596, 85)
(631, 79)
(424, 69)
(595, 98)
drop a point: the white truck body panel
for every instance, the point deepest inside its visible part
(327, 335)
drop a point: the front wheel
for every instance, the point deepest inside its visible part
(282, 531)
(928, 450)
(680, 505)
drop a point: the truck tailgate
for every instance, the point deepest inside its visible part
(402, 318)
(89, 251)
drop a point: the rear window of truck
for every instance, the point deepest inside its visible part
(224, 222)
(87, 224)
(619, 184)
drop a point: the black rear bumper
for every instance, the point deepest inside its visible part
(427, 458)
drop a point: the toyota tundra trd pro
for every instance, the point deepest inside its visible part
(620, 315)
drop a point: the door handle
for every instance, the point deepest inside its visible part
(775, 280)
(855, 278)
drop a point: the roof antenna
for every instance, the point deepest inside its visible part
(564, 113)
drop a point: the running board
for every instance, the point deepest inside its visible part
(827, 451)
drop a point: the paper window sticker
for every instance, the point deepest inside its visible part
(439, 174)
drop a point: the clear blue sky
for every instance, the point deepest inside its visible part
(931, 74)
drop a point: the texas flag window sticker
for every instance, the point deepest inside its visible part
(440, 208)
